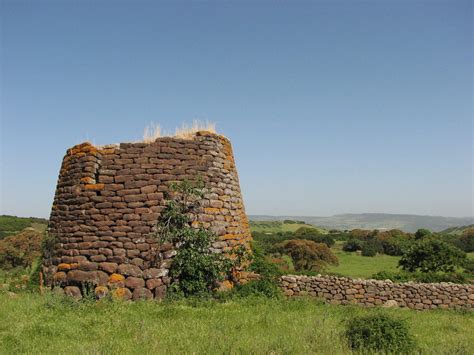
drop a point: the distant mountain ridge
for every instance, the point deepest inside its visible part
(404, 222)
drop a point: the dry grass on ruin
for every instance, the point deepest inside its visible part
(154, 131)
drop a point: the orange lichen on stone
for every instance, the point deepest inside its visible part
(101, 291)
(121, 293)
(94, 187)
(59, 277)
(88, 180)
(114, 278)
(64, 267)
(227, 236)
(211, 210)
(82, 150)
(107, 151)
(89, 149)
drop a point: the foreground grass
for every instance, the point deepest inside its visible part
(31, 324)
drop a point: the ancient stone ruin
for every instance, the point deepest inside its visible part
(108, 200)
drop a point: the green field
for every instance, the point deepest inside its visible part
(34, 324)
(354, 265)
(279, 226)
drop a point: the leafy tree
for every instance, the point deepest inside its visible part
(369, 249)
(432, 255)
(308, 255)
(422, 233)
(360, 233)
(465, 241)
(306, 231)
(469, 266)
(195, 270)
(352, 245)
(314, 235)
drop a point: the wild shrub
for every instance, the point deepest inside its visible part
(369, 248)
(352, 245)
(195, 270)
(262, 266)
(308, 255)
(267, 284)
(425, 277)
(469, 266)
(379, 333)
(263, 287)
(20, 250)
(422, 233)
(432, 255)
(465, 241)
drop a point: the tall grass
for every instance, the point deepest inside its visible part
(154, 131)
(34, 324)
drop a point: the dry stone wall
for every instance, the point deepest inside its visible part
(107, 203)
(341, 290)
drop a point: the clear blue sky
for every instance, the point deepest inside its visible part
(332, 106)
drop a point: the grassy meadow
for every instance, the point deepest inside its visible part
(31, 323)
(50, 324)
(352, 264)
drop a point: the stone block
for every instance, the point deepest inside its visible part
(73, 291)
(130, 270)
(121, 293)
(142, 294)
(134, 282)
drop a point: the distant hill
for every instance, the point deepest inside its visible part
(457, 230)
(404, 222)
(10, 225)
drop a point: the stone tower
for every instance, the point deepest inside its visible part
(107, 203)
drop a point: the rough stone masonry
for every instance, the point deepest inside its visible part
(343, 290)
(107, 203)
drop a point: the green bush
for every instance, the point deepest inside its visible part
(432, 255)
(195, 270)
(21, 249)
(469, 266)
(426, 277)
(264, 288)
(395, 246)
(369, 248)
(308, 255)
(260, 265)
(393, 276)
(433, 277)
(313, 235)
(465, 241)
(267, 284)
(422, 234)
(379, 333)
(352, 245)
